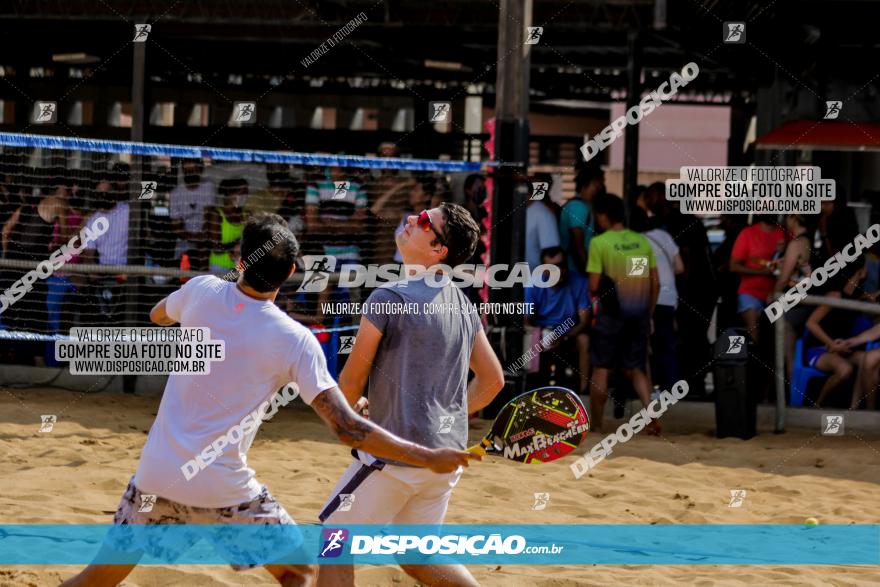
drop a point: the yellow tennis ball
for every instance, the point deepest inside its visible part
(811, 522)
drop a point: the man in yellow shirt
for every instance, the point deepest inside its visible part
(623, 276)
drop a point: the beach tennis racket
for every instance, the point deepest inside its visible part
(538, 426)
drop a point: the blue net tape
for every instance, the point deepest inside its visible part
(159, 150)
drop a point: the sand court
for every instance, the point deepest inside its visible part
(77, 472)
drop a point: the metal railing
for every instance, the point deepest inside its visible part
(864, 307)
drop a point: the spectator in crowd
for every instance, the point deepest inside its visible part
(12, 195)
(542, 231)
(111, 248)
(565, 309)
(576, 223)
(871, 285)
(829, 328)
(308, 308)
(831, 346)
(790, 268)
(475, 195)
(869, 369)
(623, 275)
(161, 242)
(335, 212)
(188, 203)
(293, 207)
(827, 208)
(120, 181)
(27, 236)
(270, 199)
(751, 258)
(728, 282)
(697, 286)
(61, 283)
(225, 224)
(664, 364)
(641, 200)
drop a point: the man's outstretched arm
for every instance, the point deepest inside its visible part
(360, 433)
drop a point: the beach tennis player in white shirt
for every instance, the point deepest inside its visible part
(265, 350)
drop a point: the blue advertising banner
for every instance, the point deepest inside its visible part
(37, 544)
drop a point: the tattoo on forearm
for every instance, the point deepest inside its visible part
(348, 426)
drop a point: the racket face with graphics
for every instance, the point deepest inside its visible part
(538, 426)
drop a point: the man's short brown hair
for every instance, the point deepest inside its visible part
(461, 233)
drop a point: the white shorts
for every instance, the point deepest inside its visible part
(389, 494)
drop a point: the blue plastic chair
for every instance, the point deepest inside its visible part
(801, 373)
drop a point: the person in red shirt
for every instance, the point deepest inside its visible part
(752, 259)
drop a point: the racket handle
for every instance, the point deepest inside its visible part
(478, 449)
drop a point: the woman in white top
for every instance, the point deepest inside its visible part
(669, 264)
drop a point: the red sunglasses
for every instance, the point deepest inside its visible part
(424, 221)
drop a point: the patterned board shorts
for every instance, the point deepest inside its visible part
(138, 508)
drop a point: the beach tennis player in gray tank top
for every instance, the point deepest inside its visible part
(417, 342)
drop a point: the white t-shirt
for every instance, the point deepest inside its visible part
(542, 232)
(112, 246)
(188, 205)
(265, 350)
(665, 251)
